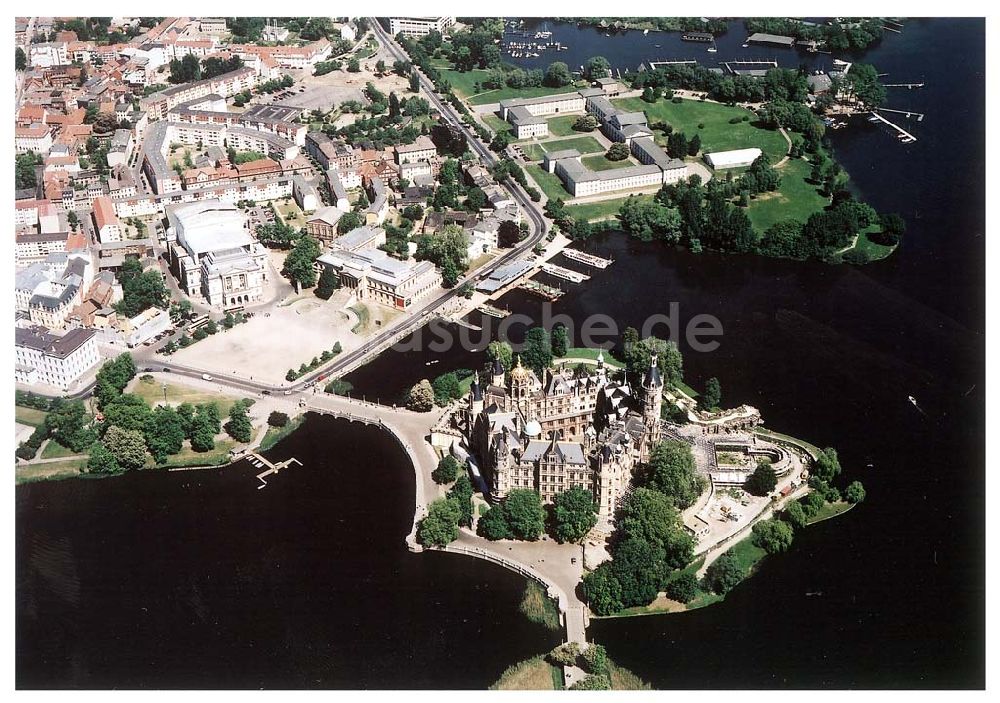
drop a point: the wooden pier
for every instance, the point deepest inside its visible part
(909, 86)
(904, 136)
(588, 259)
(906, 113)
(259, 461)
(541, 290)
(564, 273)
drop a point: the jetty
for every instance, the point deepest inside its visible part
(492, 311)
(905, 113)
(909, 86)
(588, 259)
(564, 273)
(541, 290)
(259, 461)
(904, 136)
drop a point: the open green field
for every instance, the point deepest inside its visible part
(599, 162)
(291, 213)
(602, 209)
(562, 125)
(54, 450)
(189, 457)
(830, 510)
(464, 86)
(795, 199)
(495, 123)
(29, 416)
(550, 183)
(717, 134)
(873, 250)
(152, 393)
(534, 151)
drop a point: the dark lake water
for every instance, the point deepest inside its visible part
(198, 579)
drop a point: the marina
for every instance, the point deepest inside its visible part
(541, 290)
(259, 461)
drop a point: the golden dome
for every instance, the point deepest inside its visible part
(519, 373)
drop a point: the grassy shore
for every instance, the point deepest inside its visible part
(538, 607)
(718, 134)
(602, 209)
(873, 250)
(537, 674)
(189, 457)
(54, 450)
(830, 510)
(50, 471)
(276, 434)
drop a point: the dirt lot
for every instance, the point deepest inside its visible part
(328, 91)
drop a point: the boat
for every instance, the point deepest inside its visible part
(912, 400)
(711, 49)
(433, 361)
(645, 31)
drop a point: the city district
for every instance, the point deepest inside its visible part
(218, 218)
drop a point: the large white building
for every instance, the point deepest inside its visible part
(736, 158)
(213, 255)
(419, 26)
(44, 358)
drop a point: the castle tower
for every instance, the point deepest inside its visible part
(521, 386)
(652, 402)
(476, 397)
(498, 373)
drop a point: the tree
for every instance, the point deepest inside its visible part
(239, 426)
(773, 535)
(525, 514)
(565, 654)
(68, 424)
(446, 471)
(493, 525)
(762, 481)
(421, 397)
(299, 263)
(353, 65)
(277, 419)
(537, 352)
(329, 281)
(164, 432)
(102, 461)
(414, 82)
(20, 59)
(640, 569)
(560, 341)
(142, 291)
(557, 75)
(461, 494)
(650, 517)
(602, 590)
(585, 123)
(508, 234)
(724, 573)
(127, 411)
(24, 170)
(813, 502)
(671, 471)
(348, 222)
(595, 660)
(205, 424)
(441, 524)
(827, 464)
(683, 588)
(597, 67)
(617, 152)
(127, 446)
(855, 492)
(794, 515)
(574, 514)
(677, 145)
(712, 396)
(501, 351)
(694, 146)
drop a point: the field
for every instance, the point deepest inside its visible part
(601, 210)
(464, 86)
(796, 199)
(591, 354)
(29, 416)
(535, 674)
(276, 434)
(562, 125)
(599, 162)
(49, 471)
(873, 250)
(152, 393)
(54, 450)
(291, 214)
(717, 134)
(534, 151)
(189, 457)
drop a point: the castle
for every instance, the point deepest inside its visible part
(575, 429)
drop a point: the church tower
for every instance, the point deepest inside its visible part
(652, 402)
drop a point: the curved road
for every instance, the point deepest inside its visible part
(418, 316)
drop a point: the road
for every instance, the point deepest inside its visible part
(144, 357)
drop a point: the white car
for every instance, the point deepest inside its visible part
(206, 377)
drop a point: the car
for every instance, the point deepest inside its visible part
(206, 377)
(147, 369)
(288, 392)
(166, 370)
(266, 392)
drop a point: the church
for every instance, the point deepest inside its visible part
(573, 429)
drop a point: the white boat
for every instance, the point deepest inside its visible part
(912, 400)
(435, 361)
(645, 31)
(712, 49)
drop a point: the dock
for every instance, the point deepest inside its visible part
(909, 86)
(541, 290)
(905, 113)
(904, 136)
(564, 273)
(588, 259)
(259, 461)
(493, 311)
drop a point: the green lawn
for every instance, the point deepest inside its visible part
(601, 210)
(54, 450)
(276, 434)
(533, 151)
(50, 471)
(464, 86)
(599, 162)
(550, 183)
(583, 144)
(587, 353)
(562, 125)
(495, 123)
(189, 457)
(830, 510)
(873, 250)
(717, 134)
(29, 416)
(796, 199)
(152, 393)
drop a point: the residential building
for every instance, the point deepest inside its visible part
(422, 149)
(44, 358)
(107, 226)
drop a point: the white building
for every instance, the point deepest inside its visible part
(145, 326)
(371, 274)
(419, 26)
(106, 223)
(213, 255)
(44, 358)
(736, 158)
(422, 149)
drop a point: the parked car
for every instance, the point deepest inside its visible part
(206, 377)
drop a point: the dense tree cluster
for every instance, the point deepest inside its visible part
(141, 290)
(520, 516)
(637, 354)
(574, 514)
(298, 266)
(762, 481)
(448, 249)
